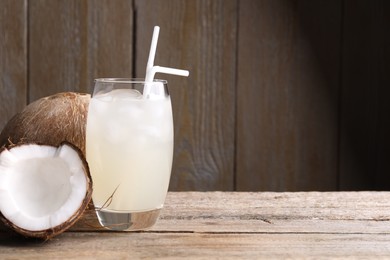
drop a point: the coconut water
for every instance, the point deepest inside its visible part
(129, 150)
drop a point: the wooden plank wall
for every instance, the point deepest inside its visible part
(282, 94)
(365, 107)
(73, 42)
(288, 86)
(13, 58)
(204, 103)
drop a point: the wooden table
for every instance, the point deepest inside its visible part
(233, 225)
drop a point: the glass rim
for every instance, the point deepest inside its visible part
(127, 80)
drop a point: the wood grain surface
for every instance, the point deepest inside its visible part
(260, 225)
(201, 246)
(287, 94)
(13, 58)
(199, 36)
(315, 212)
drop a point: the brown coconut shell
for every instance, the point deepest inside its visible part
(49, 233)
(50, 120)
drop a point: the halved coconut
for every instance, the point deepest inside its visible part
(43, 189)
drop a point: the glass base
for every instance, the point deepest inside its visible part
(119, 221)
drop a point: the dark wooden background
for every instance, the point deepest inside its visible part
(283, 95)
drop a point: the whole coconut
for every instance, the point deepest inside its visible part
(50, 120)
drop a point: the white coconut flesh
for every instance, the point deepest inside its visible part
(41, 186)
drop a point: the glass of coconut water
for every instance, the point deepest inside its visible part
(129, 148)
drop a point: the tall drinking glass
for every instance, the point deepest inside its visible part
(129, 148)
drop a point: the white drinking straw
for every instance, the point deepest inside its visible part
(151, 70)
(152, 52)
(166, 70)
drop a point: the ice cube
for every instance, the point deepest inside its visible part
(131, 111)
(125, 94)
(150, 131)
(155, 91)
(106, 97)
(159, 109)
(97, 108)
(115, 132)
